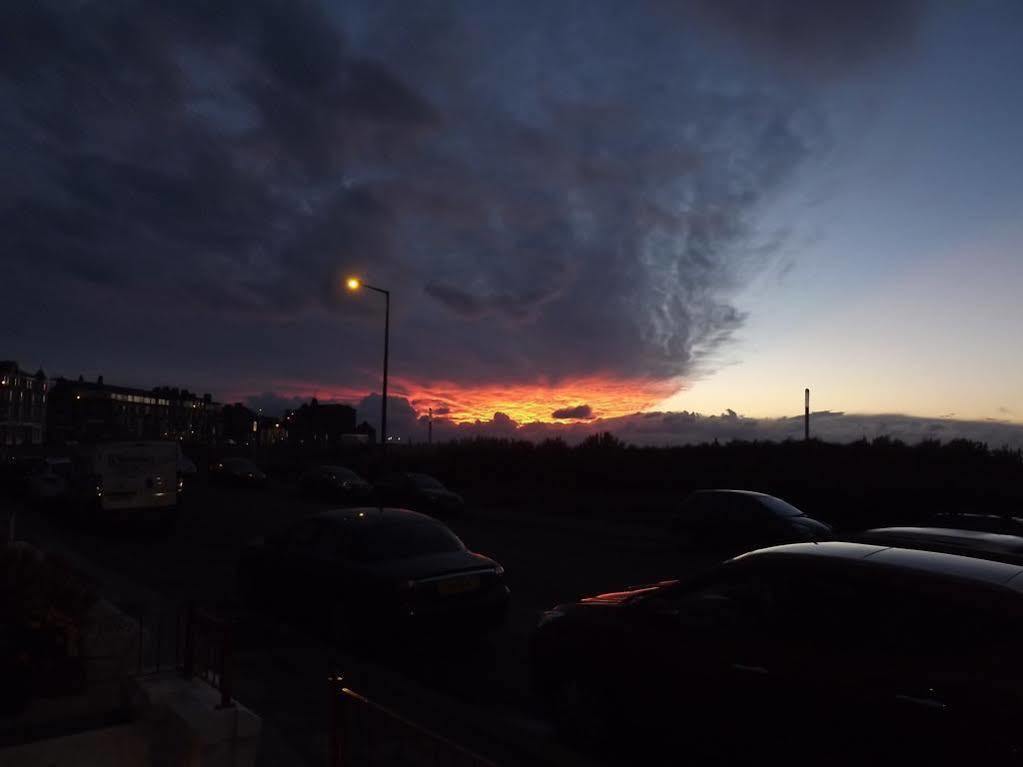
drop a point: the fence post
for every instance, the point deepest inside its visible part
(336, 715)
(142, 632)
(225, 674)
(188, 662)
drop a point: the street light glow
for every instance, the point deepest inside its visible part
(353, 283)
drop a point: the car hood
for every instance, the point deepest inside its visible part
(430, 565)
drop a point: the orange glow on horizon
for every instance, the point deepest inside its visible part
(606, 396)
(529, 402)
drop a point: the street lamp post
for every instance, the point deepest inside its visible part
(354, 284)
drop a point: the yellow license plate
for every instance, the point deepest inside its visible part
(459, 585)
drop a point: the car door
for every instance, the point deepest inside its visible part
(703, 660)
(299, 567)
(829, 673)
(956, 687)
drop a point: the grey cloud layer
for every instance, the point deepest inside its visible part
(548, 188)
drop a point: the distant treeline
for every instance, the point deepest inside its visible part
(851, 485)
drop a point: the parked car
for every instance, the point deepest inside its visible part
(237, 471)
(846, 649)
(970, 543)
(419, 492)
(128, 481)
(733, 521)
(336, 483)
(16, 470)
(51, 481)
(363, 570)
(992, 523)
(186, 467)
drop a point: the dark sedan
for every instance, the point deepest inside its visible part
(734, 521)
(970, 543)
(237, 471)
(336, 483)
(812, 653)
(358, 571)
(419, 492)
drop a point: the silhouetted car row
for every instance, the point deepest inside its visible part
(339, 484)
(733, 521)
(900, 643)
(236, 471)
(364, 570)
(895, 644)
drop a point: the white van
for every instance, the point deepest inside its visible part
(138, 479)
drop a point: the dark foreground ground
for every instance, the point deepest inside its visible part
(473, 690)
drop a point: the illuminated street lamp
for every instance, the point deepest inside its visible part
(354, 284)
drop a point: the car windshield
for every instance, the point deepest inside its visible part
(403, 541)
(426, 482)
(779, 508)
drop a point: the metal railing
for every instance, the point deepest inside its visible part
(201, 645)
(207, 651)
(364, 733)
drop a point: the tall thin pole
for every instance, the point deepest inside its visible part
(429, 429)
(806, 416)
(387, 337)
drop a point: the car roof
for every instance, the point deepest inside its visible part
(980, 571)
(752, 493)
(373, 515)
(994, 542)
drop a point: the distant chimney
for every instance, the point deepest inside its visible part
(806, 415)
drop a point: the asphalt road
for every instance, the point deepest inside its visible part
(474, 691)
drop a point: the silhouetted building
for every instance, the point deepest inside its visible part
(81, 411)
(189, 416)
(319, 425)
(22, 405)
(241, 424)
(270, 431)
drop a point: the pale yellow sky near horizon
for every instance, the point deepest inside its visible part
(940, 339)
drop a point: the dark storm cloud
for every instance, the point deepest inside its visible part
(579, 411)
(817, 38)
(549, 190)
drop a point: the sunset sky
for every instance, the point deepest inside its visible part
(584, 208)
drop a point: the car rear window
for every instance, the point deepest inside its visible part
(426, 482)
(778, 507)
(403, 541)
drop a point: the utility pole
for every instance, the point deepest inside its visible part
(806, 416)
(429, 429)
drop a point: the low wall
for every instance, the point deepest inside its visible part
(125, 745)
